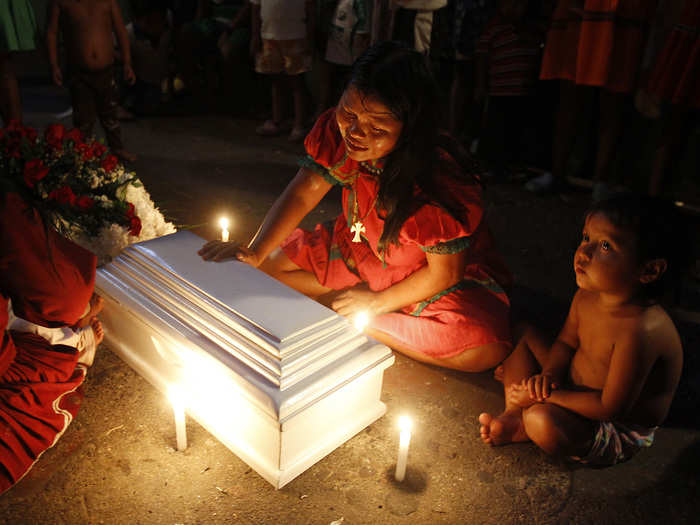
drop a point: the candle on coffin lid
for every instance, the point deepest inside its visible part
(361, 320)
(177, 400)
(223, 223)
(405, 425)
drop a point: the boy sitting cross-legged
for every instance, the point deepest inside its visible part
(599, 392)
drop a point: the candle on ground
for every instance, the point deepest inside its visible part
(404, 440)
(223, 222)
(177, 400)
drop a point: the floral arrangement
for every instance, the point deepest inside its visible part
(79, 187)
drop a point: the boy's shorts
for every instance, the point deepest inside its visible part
(614, 443)
(283, 56)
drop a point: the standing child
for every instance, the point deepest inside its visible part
(411, 249)
(87, 36)
(508, 60)
(600, 391)
(282, 43)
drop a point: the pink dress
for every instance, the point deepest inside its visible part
(39, 382)
(472, 313)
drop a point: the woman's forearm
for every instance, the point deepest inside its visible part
(419, 286)
(299, 198)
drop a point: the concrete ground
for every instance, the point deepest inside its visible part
(116, 463)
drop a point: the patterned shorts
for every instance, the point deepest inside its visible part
(283, 56)
(614, 443)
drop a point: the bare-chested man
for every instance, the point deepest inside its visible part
(86, 27)
(599, 392)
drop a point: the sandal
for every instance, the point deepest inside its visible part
(269, 128)
(297, 135)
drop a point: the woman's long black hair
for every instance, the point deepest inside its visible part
(401, 79)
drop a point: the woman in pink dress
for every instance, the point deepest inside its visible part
(411, 247)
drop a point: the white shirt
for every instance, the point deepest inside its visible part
(282, 19)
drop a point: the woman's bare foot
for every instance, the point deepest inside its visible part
(96, 326)
(506, 428)
(498, 373)
(96, 306)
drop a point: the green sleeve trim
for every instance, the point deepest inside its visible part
(308, 162)
(454, 246)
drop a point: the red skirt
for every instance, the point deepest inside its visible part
(39, 396)
(599, 45)
(676, 75)
(473, 313)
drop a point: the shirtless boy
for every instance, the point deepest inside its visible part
(86, 27)
(599, 392)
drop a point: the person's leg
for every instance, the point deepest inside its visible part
(565, 131)
(557, 431)
(282, 268)
(525, 360)
(667, 147)
(83, 100)
(475, 359)
(10, 104)
(611, 108)
(107, 98)
(325, 87)
(298, 95)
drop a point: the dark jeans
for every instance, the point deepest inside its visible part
(95, 94)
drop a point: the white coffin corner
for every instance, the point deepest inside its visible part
(279, 379)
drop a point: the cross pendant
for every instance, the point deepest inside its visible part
(357, 229)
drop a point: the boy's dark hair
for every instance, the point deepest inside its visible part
(401, 78)
(659, 232)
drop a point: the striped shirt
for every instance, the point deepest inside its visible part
(513, 58)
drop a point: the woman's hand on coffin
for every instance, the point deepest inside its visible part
(222, 251)
(356, 300)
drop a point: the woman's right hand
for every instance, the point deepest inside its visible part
(221, 251)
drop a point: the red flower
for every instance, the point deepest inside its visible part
(63, 195)
(31, 134)
(98, 149)
(85, 151)
(130, 212)
(75, 135)
(109, 163)
(84, 202)
(54, 135)
(135, 226)
(34, 171)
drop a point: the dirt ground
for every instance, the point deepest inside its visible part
(116, 463)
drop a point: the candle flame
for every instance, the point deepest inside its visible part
(361, 320)
(405, 423)
(223, 223)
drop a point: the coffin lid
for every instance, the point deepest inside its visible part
(273, 333)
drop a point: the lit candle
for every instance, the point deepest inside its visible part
(361, 320)
(404, 440)
(223, 222)
(178, 401)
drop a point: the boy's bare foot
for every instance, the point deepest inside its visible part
(124, 155)
(498, 373)
(506, 428)
(96, 306)
(96, 326)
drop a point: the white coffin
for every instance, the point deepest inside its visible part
(279, 379)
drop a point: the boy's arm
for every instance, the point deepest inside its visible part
(564, 348)
(123, 39)
(52, 42)
(629, 367)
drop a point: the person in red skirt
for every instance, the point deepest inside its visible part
(593, 45)
(50, 281)
(411, 247)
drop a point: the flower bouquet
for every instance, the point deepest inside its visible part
(79, 187)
